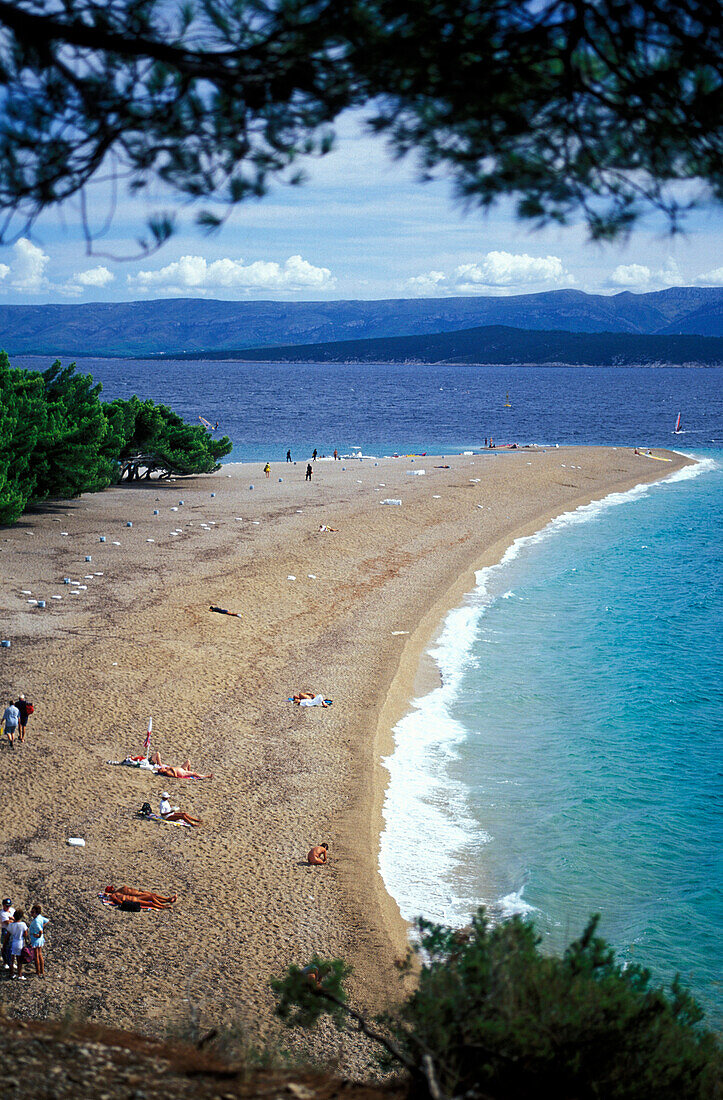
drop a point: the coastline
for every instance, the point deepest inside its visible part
(286, 778)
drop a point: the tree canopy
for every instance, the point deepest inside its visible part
(493, 1017)
(58, 439)
(576, 107)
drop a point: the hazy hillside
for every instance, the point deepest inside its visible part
(502, 344)
(169, 326)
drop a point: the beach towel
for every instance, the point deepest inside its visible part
(164, 820)
(317, 701)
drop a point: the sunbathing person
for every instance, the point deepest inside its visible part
(172, 813)
(317, 855)
(119, 894)
(225, 611)
(182, 771)
(300, 695)
(323, 529)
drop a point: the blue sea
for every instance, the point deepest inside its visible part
(571, 761)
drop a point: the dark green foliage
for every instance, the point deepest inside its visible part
(499, 344)
(580, 107)
(57, 439)
(492, 1016)
(157, 439)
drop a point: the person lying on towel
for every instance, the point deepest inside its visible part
(147, 898)
(309, 699)
(183, 771)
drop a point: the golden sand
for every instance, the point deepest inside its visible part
(139, 640)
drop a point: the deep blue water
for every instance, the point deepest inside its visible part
(267, 407)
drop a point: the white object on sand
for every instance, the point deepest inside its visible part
(291, 577)
(317, 701)
(311, 576)
(116, 543)
(416, 473)
(390, 501)
(174, 509)
(26, 591)
(150, 540)
(396, 633)
(76, 842)
(56, 597)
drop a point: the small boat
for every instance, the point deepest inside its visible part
(507, 404)
(677, 429)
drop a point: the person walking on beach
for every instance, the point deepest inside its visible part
(11, 717)
(37, 938)
(336, 454)
(24, 709)
(309, 471)
(267, 470)
(288, 456)
(18, 936)
(314, 454)
(7, 916)
(317, 855)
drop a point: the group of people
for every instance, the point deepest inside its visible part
(21, 943)
(15, 719)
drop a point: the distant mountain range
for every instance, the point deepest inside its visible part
(499, 344)
(174, 325)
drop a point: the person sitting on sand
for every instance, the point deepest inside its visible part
(317, 855)
(323, 529)
(182, 771)
(225, 611)
(147, 898)
(172, 813)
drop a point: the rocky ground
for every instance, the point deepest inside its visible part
(75, 1061)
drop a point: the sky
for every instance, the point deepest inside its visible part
(362, 226)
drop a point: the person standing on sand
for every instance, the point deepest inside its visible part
(288, 456)
(7, 916)
(267, 470)
(313, 457)
(309, 471)
(11, 717)
(18, 936)
(25, 709)
(336, 454)
(317, 855)
(37, 938)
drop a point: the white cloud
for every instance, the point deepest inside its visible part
(641, 277)
(508, 269)
(196, 273)
(95, 276)
(26, 272)
(430, 283)
(496, 272)
(711, 278)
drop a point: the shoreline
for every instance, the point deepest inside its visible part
(428, 677)
(217, 689)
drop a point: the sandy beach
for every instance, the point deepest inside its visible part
(347, 613)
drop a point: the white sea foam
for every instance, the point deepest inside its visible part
(422, 799)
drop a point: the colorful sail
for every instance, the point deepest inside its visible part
(677, 428)
(206, 423)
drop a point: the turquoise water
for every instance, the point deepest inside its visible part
(571, 762)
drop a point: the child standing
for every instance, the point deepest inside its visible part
(37, 938)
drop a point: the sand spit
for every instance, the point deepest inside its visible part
(132, 636)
